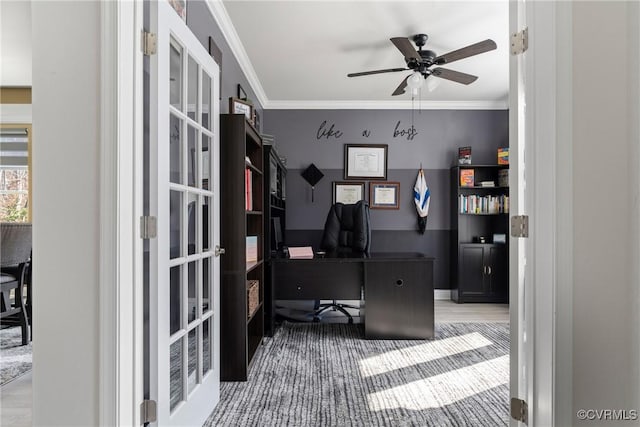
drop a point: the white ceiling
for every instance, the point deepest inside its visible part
(15, 43)
(301, 51)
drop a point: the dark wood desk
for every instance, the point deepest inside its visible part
(396, 289)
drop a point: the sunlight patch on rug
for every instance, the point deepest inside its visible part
(405, 357)
(443, 389)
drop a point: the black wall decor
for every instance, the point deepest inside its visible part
(312, 175)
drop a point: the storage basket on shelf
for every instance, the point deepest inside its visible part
(253, 296)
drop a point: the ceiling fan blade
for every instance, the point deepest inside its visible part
(404, 45)
(454, 76)
(366, 73)
(400, 89)
(465, 52)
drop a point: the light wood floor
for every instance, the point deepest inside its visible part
(16, 399)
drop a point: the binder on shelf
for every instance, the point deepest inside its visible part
(464, 155)
(503, 177)
(248, 188)
(252, 249)
(466, 177)
(503, 156)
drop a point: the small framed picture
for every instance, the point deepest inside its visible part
(348, 193)
(384, 195)
(365, 161)
(238, 106)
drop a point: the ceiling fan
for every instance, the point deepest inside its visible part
(420, 62)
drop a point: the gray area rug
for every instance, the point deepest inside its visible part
(312, 374)
(15, 358)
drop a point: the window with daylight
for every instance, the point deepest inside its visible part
(14, 175)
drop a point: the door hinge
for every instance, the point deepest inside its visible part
(520, 226)
(519, 410)
(149, 43)
(520, 42)
(148, 411)
(148, 227)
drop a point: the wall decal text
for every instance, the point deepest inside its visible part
(366, 133)
(323, 132)
(410, 132)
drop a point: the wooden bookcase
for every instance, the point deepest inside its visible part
(275, 213)
(479, 269)
(241, 332)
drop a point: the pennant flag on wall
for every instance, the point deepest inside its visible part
(422, 198)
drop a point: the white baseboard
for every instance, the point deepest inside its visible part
(442, 294)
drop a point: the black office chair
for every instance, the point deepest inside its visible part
(346, 230)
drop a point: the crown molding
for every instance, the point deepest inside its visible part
(222, 18)
(386, 105)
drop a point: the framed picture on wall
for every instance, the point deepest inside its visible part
(365, 161)
(348, 192)
(384, 195)
(238, 106)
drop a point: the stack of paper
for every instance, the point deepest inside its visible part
(302, 252)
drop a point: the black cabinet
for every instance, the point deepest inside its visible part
(399, 300)
(482, 273)
(479, 214)
(274, 221)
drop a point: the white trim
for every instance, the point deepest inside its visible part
(563, 358)
(541, 88)
(15, 113)
(120, 305)
(442, 294)
(108, 363)
(223, 20)
(385, 105)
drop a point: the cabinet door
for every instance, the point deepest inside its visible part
(471, 270)
(399, 300)
(498, 262)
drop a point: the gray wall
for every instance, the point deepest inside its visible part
(435, 146)
(202, 24)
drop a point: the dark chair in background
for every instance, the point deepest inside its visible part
(15, 255)
(347, 231)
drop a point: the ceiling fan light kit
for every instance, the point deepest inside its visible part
(420, 61)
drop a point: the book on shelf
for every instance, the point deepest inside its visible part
(475, 204)
(252, 249)
(248, 190)
(466, 177)
(487, 184)
(300, 252)
(464, 155)
(503, 177)
(503, 156)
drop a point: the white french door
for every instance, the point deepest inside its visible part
(184, 350)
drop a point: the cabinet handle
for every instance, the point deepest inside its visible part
(399, 282)
(219, 251)
(484, 269)
(489, 269)
(299, 287)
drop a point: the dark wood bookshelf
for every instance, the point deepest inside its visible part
(240, 334)
(275, 211)
(479, 271)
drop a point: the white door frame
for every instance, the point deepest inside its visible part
(121, 184)
(120, 305)
(541, 135)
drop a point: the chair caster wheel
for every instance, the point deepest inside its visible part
(351, 321)
(316, 319)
